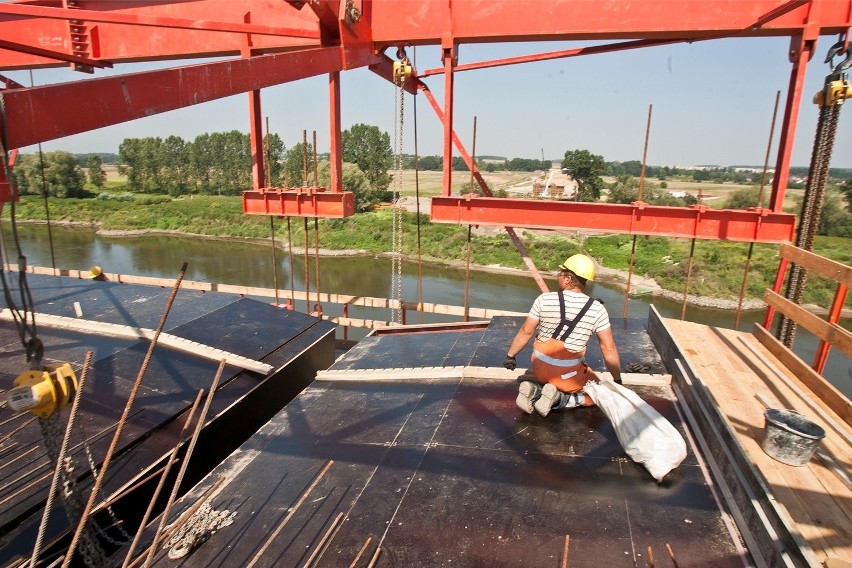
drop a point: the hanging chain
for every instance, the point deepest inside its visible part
(396, 257)
(52, 430)
(830, 100)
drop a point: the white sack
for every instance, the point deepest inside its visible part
(645, 435)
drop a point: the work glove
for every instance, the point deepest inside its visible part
(510, 363)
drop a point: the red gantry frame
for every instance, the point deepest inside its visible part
(274, 42)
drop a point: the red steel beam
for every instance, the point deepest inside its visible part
(129, 30)
(701, 222)
(47, 112)
(299, 202)
(482, 22)
(114, 17)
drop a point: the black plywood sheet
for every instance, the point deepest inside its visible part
(172, 379)
(451, 473)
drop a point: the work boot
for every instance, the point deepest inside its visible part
(528, 393)
(549, 398)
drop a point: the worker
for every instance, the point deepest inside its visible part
(563, 322)
(96, 273)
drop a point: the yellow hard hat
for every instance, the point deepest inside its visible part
(95, 271)
(581, 265)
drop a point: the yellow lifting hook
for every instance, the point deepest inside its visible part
(44, 391)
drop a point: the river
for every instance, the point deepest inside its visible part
(241, 263)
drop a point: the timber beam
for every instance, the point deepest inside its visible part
(299, 202)
(700, 222)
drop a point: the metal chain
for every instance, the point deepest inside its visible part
(52, 431)
(197, 529)
(811, 211)
(396, 264)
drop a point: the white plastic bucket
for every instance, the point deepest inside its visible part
(789, 437)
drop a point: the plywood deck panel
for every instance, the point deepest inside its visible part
(817, 501)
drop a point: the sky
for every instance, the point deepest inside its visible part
(711, 102)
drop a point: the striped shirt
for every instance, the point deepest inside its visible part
(546, 310)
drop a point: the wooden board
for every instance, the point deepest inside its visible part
(816, 500)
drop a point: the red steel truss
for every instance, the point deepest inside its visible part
(274, 42)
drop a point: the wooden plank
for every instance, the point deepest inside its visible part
(822, 389)
(284, 295)
(831, 333)
(813, 498)
(165, 339)
(837, 271)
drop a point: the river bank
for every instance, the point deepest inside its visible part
(640, 285)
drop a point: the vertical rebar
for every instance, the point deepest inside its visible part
(60, 459)
(162, 482)
(638, 198)
(304, 158)
(473, 155)
(688, 278)
(759, 204)
(292, 298)
(650, 557)
(565, 551)
(314, 154)
(629, 278)
(317, 257)
(185, 464)
(271, 218)
(417, 197)
(743, 286)
(293, 510)
(467, 276)
(123, 419)
(307, 271)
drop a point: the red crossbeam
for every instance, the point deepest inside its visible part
(701, 222)
(299, 202)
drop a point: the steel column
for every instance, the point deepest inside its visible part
(335, 140)
(801, 50)
(258, 173)
(449, 58)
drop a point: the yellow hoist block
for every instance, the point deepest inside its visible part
(45, 391)
(834, 93)
(401, 72)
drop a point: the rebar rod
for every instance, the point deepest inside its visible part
(688, 279)
(60, 459)
(650, 557)
(361, 552)
(286, 519)
(672, 555)
(123, 419)
(162, 482)
(181, 519)
(375, 557)
(565, 551)
(324, 540)
(307, 272)
(186, 459)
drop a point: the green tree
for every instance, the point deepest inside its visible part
(370, 148)
(175, 156)
(273, 148)
(97, 175)
(743, 198)
(586, 168)
(56, 172)
(354, 180)
(625, 189)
